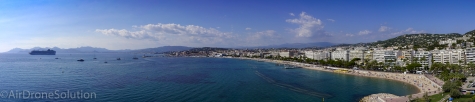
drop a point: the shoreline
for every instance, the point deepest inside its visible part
(420, 81)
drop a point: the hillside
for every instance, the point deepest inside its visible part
(425, 40)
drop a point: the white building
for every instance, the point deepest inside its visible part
(470, 55)
(390, 58)
(310, 54)
(449, 56)
(340, 54)
(423, 57)
(284, 54)
(448, 41)
(378, 55)
(356, 54)
(322, 55)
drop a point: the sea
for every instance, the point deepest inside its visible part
(43, 78)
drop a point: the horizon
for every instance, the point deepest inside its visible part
(119, 25)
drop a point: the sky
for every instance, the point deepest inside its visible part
(138, 24)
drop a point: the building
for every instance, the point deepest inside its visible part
(284, 54)
(390, 58)
(470, 55)
(449, 56)
(378, 55)
(356, 54)
(422, 57)
(322, 55)
(341, 55)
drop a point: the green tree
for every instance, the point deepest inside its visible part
(448, 86)
(413, 66)
(455, 93)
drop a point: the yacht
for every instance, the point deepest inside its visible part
(81, 60)
(135, 57)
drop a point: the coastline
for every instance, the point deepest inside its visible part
(420, 81)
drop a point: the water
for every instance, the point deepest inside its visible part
(165, 79)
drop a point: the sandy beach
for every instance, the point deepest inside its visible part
(425, 83)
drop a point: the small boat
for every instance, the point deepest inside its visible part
(145, 56)
(105, 62)
(135, 57)
(118, 58)
(56, 58)
(80, 60)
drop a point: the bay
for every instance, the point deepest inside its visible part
(170, 79)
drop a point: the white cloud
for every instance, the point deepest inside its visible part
(308, 25)
(364, 32)
(408, 31)
(260, 35)
(173, 32)
(384, 29)
(331, 20)
(349, 35)
(292, 14)
(263, 38)
(248, 28)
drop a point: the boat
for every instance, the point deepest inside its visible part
(80, 60)
(118, 58)
(135, 57)
(47, 52)
(105, 62)
(95, 56)
(145, 56)
(286, 66)
(56, 58)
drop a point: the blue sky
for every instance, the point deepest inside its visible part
(136, 24)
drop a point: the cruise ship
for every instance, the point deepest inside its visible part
(47, 52)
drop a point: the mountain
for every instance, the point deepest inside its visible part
(88, 49)
(163, 49)
(297, 45)
(425, 40)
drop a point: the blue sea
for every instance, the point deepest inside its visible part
(42, 78)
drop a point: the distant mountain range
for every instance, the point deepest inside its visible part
(101, 50)
(297, 45)
(89, 49)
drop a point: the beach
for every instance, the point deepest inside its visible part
(425, 83)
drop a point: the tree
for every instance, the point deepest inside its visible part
(413, 66)
(448, 86)
(436, 67)
(455, 93)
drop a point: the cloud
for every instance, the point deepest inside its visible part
(384, 29)
(263, 38)
(158, 32)
(262, 34)
(408, 31)
(364, 32)
(349, 35)
(331, 20)
(292, 14)
(124, 33)
(248, 28)
(309, 25)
